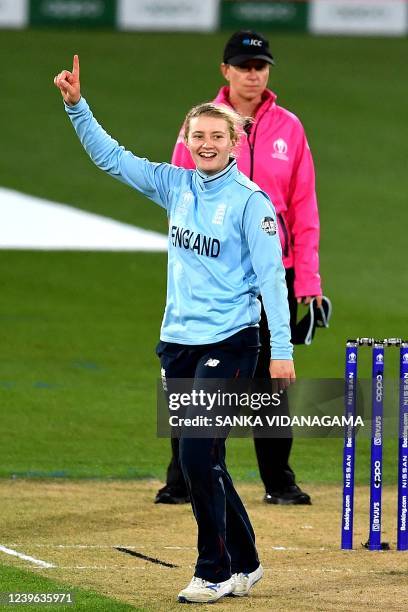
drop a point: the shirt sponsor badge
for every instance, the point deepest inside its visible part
(268, 225)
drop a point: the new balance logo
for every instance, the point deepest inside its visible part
(212, 363)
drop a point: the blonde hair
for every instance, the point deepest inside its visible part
(235, 122)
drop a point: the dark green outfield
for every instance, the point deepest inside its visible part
(78, 330)
(15, 580)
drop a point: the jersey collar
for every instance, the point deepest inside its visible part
(215, 181)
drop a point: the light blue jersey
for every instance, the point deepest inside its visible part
(224, 249)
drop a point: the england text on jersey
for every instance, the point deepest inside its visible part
(187, 239)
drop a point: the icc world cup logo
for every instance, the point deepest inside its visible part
(280, 148)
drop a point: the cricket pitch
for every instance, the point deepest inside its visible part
(77, 527)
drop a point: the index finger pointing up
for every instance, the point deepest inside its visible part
(75, 67)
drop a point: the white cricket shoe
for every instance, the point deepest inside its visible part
(245, 582)
(202, 591)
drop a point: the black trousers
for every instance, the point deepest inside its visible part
(226, 539)
(272, 453)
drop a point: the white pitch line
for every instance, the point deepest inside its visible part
(97, 546)
(274, 570)
(108, 568)
(104, 567)
(139, 547)
(180, 547)
(15, 553)
(297, 548)
(140, 568)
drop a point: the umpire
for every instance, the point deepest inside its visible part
(274, 154)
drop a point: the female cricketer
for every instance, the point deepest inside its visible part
(223, 251)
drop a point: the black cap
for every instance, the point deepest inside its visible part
(246, 45)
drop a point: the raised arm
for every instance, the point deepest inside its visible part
(154, 180)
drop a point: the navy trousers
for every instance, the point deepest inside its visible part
(226, 539)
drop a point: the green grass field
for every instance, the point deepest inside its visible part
(78, 330)
(12, 580)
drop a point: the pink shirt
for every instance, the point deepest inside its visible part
(277, 157)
